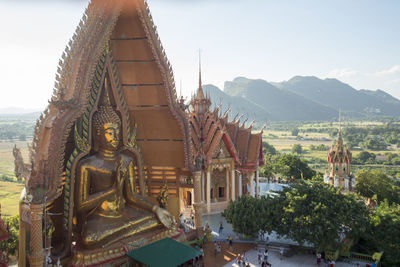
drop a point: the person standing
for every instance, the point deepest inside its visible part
(259, 256)
(266, 255)
(318, 258)
(221, 227)
(281, 251)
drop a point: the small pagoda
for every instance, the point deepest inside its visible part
(339, 160)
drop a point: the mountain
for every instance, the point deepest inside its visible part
(338, 95)
(301, 98)
(381, 94)
(18, 110)
(238, 104)
(267, 102)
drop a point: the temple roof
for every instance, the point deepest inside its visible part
(209, 129)
(339, 153)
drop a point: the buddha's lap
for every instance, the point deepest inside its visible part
(98, 228)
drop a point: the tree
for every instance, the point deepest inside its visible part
(297, 149)
(267, 170)
(267, 148)
(312, 212)
(365, 157)
(374, 143)
(319, 214)
(293, 166)
(374, 182)
(244, 215)
(384, 232)
(11, 243)
(295, 131)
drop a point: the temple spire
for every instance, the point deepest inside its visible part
(200, 69)
(200, 93)
(340, 126)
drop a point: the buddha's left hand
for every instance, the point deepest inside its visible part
(165, 217)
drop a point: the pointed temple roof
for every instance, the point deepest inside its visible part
(139, 68)
(339, 153)
(209, 129)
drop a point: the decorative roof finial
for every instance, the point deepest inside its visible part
(340, 125)
(200, 93)
(199, 68)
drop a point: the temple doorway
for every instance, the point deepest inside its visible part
(188, 198)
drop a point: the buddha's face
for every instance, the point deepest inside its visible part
(110, 136)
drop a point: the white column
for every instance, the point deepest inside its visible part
(227, 184)
(233, 183)
(252, 188)
(208, 200)
(197, 203)
(336, 181)
(346, 183)
(240, 184)
(203, 195)
(257, 185)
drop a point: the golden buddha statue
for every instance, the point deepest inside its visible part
(107, 207)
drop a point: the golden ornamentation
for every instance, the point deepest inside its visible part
(163, 196)
(107, 207)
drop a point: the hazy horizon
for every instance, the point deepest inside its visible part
(353, 41)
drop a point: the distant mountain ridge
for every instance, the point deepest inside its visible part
(301, 98)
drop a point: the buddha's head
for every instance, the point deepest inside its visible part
(106, 126)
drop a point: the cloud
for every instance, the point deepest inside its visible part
(393, 70)
(343, 73)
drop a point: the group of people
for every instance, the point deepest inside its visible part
(186, 223)
(242, 260)
(217, 248)
(263, 258)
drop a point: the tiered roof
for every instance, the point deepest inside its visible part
(339, 153)
(209, 128)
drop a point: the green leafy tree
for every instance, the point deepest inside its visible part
(270, 149)
(311, 212)
(374, 143)
(267, 170)
(293, 166)
(365, 157)
(295, 131)
(244, 215)
(297, 149)
(11, 243)
(374, 182)
(385, 233)
(319, 214)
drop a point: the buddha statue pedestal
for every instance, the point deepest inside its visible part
(114, 254)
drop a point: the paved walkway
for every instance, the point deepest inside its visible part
(305, 260)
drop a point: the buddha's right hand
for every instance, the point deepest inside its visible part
(165, 217)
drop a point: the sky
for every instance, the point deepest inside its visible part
(355, 41)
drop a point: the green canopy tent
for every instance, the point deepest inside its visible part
(163, 253)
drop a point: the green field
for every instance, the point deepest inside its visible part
(283, 141)
(9, 197)
(10, 191)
